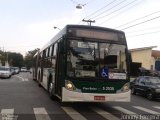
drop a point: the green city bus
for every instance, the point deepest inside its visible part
(85, 64)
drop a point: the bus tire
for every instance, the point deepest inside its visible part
(39, 77)
(51, 91)
(39, 84)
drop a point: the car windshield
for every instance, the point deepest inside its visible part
(4, 69)
(89, 59)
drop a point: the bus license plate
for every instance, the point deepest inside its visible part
(102, 98)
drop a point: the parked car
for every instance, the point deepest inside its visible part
(148, 86)
(23, 69)
(15, 70)
(5, 72)
(12, 70)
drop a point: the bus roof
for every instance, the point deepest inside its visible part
(64, 31)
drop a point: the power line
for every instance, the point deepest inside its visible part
(144, 34)
(88, 2)
(141, 22)
(157, 27)
(100, 9)
(125, 10)
(109, 9)
(138, 19)
(116, 10)
(74, 2)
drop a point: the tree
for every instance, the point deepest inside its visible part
(15, 59)
(28, 60)
(3, 57)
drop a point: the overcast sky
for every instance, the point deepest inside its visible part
(28, 24)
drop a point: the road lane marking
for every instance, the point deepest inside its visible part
(7, 114)
(41, 114)
(73, 113)
(7, 111)
(20, 77)
(124, 110)
(158, 107)
(104, 114)
(133, 115)
(146, 110)
(26, 79)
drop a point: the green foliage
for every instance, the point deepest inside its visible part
(28, 60)
(15, 59)
(3, 57)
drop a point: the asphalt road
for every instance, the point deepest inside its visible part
(22, 99)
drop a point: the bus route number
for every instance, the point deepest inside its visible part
(108, 88)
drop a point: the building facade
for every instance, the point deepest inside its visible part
(149, 59)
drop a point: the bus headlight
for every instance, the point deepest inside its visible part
(125, 88)
(69, 85)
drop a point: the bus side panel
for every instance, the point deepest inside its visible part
(45, 78)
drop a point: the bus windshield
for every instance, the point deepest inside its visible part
(89, 59)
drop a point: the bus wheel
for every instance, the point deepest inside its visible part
(39, 84)
(51, 91)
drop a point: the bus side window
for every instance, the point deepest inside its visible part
(44, 54)
(50, 51)
(54, 52)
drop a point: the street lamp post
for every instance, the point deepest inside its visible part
(80, 6)
(56, 28)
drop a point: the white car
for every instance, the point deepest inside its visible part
(16, 69)
(23, 69)
(5, 72)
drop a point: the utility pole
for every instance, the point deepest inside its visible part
(89, 21)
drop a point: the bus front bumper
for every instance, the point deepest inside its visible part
(71, 96)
